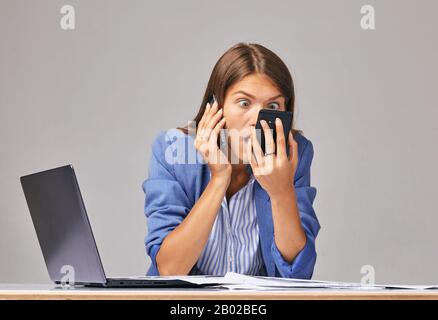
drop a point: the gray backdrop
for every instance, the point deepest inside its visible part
(97, 96)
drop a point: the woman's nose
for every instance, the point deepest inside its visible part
(255, 114)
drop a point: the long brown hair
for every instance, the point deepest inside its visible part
(240, 61)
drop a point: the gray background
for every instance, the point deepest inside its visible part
(97, 96)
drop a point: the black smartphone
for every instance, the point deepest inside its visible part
(269, 116)
(221, 139)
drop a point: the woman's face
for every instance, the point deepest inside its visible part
(243, 101)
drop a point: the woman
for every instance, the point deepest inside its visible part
(206, 212)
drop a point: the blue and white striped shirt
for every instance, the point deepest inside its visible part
(234, 243)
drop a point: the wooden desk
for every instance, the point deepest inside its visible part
(47, 292)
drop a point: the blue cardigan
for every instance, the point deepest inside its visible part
(178, 176)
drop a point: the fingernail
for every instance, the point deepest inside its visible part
(277, 120)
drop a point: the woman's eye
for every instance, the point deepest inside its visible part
(274, 106)
(243, 103)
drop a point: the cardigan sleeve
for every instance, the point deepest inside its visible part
(303, 264)
(166, 203)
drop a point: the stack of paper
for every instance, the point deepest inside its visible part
(236, 281)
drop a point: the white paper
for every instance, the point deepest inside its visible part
(286, 282)
(236, 281)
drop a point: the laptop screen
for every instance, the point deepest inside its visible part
(62, 226)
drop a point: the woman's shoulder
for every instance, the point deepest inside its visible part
(305, 154)
(302, 141)
(175, 146)
(168, 137)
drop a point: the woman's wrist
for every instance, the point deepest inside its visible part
(285, 194)
(221, 181)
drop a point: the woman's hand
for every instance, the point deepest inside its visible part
(206, 142)
(274, 172)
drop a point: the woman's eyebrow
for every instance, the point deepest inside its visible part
(251, 96)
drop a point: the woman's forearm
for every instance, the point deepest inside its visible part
(289, 235)
(183, 246)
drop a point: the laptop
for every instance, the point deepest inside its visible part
(65, 236)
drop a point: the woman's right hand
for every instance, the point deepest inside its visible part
(206, 142)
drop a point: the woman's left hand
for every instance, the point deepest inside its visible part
(274, 172)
